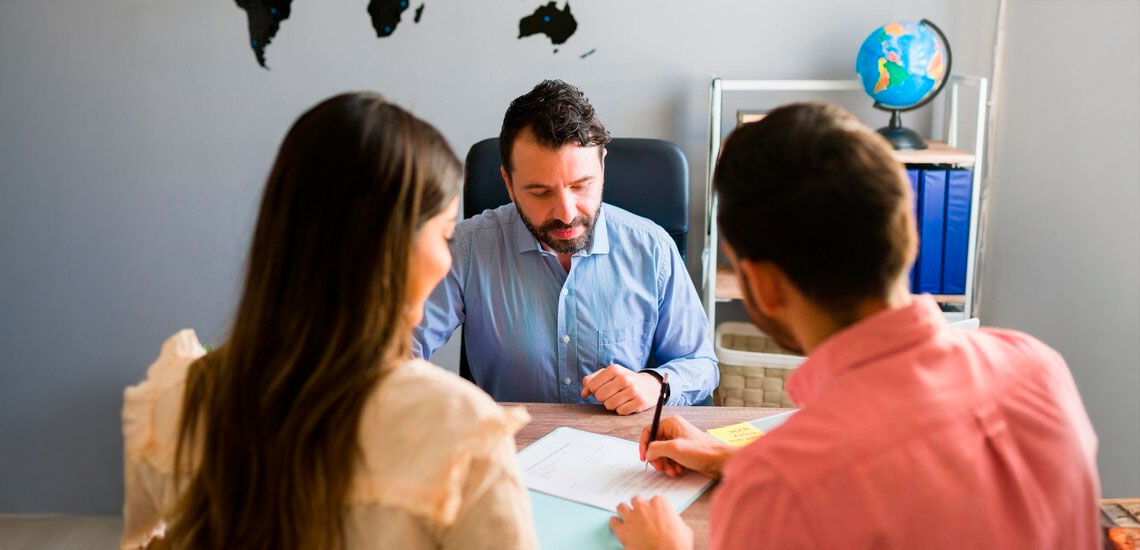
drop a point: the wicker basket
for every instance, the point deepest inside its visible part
(753, 368)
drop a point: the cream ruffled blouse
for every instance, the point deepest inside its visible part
(439, 467)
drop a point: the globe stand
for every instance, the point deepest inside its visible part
(901, 137)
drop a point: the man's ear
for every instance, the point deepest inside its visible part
(767, 283)
(507, 182)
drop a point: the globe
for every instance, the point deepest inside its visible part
(902, 66)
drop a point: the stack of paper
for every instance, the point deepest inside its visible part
(578, 478)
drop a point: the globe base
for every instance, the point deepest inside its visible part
(902, 138)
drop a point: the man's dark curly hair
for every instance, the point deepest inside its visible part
(556, 113)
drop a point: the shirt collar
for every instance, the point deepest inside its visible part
(875, 337)
(527, 242)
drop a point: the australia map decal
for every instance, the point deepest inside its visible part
(265, 17)
(557, 24)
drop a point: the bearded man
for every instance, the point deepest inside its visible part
(563, 298)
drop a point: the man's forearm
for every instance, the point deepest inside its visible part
(691, 379)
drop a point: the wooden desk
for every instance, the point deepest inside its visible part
(545, 417)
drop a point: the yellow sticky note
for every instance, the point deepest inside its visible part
(737, 435)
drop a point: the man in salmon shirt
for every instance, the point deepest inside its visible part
(910, 434)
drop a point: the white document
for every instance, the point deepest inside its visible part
(601, 471)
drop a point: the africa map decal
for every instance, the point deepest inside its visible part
(265, 17)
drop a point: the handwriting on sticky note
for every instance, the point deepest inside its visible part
(737, 435)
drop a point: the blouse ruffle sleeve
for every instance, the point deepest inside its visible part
(151, 411)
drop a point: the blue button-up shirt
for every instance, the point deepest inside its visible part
(533, 330)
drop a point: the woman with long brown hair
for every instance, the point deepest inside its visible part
(311, 426)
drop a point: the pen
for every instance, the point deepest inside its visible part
(657, 413)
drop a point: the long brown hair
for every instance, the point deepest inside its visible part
(270, 419)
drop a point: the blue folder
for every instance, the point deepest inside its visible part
(562, 523)
(931, 213)
(915, 177)
(957, 235)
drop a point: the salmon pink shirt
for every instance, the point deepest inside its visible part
(912, 434)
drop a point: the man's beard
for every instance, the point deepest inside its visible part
(563, 246)
(775, 330)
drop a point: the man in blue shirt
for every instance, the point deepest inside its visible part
(563, 298)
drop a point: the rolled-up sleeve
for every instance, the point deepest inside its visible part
(759, 506)
(682, 346)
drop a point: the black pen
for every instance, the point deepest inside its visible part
(657, 413)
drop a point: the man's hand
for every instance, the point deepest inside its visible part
(650, 524)
(622, 390)
(681, 447)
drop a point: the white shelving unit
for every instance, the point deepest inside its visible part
(718, 283)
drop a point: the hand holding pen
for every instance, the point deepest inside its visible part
(678, 447)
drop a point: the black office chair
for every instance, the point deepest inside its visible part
(649, 177)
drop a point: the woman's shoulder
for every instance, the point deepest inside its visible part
(419, 397)
(169, 368)
(420, 430)
(152, 408)
(433, 380)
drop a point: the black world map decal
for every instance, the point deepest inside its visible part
(265, 17)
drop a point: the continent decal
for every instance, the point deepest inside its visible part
(386, 15)
(558, 25)
(265, 17)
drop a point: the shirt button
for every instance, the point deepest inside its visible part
(565, 292)
(566, 381)
(566, 338)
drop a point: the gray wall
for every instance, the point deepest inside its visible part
(1063, 249)
(135, 135)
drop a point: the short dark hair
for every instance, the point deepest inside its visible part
(818, 194)
(556, 113)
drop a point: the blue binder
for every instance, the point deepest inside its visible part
(931, 214)
(915, 177)
(957, 236)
